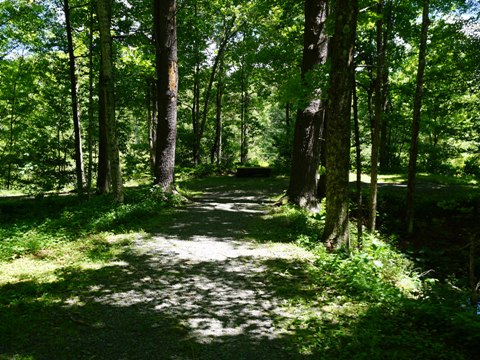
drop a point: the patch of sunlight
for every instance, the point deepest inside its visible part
(353, 177)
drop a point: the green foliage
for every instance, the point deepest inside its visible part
(30, 226)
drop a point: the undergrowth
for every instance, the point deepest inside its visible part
(372, 303)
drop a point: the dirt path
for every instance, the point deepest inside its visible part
(197, 288)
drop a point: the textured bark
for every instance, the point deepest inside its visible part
(377, 119)
(167, 85)
(79, 168)
(104, 20)
(417, 108)
(338, 126)
(302, 189)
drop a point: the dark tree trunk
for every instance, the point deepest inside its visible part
(196, 115)
(302, 189)
(167, 85)
(104, 20)
(417, 107)
(103, 175)
(338, 125)
(377, 119)
(79, 168)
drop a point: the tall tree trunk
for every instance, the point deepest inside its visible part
(79, 168)
(384, 156)
(196, 114)
(164, 14)
(104, 9)
(358, 163)
(243, 117)
(217, 145)
(377, 119)
(90, 102)
(417, 107)
(338, 125)
(302, 189)
(103, 170)
(229, 33)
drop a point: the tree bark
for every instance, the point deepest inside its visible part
(79, 168)
(217, 145)
(338, 126)
(243, 117)
(302, 188)
(377, 119)
(90, 102)
(104, 19)
(167, 86)
(417, 108)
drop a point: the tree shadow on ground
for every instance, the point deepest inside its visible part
(153, 306)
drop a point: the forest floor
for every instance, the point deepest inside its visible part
(193, 286)
(221, 277)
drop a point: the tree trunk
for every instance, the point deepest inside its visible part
(243, 118)
(217, 145)
(79, 168)
(302, 189)
(377, 119)
(104, 19)
(338, 125)
(152, 121)
(103, 175)
(358, 164)
(90, 102)
(417, 107)
(167, 85)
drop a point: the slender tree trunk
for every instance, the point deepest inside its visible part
(217, 145)
(377, 119)
(384, 156)
(152, 120)
(104, 20)
(417, 107)
(103, 175)
(358, 164)
(167, 86)
(90, 103)
(196, 114)
(302, 189)
(338, 125)
(243, 117)
(229, 33)
(75, 104)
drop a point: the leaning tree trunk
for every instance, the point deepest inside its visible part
(79, 168)
(164, 14)
(104, 18)
(377, 120)
(338, 125)
(417, 107)
(302, 189)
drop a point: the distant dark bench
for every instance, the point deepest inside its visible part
(254, 172)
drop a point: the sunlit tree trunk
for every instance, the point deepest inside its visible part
(302, 189)
(338, 125)
(104, 19)
(90, 102)
(164, 14)
(417, 107)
